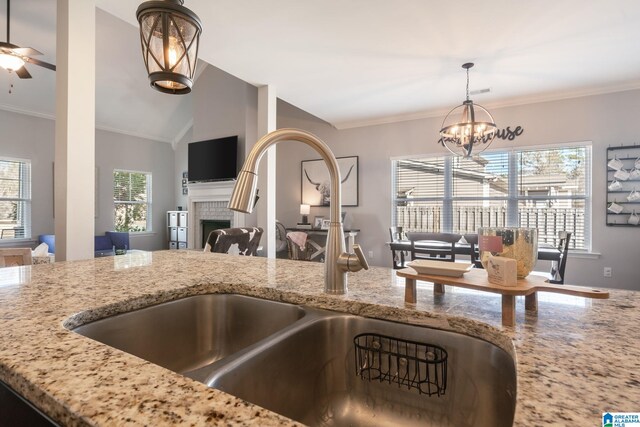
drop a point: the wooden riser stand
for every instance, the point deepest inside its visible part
(477, 279)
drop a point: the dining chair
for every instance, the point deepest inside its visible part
(558, 267)
(298, 246)
(281, 239)
(397, 256)
(444, 252)
(10, 257)
(235, 241)
(472, 240)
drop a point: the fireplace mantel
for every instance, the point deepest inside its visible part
(202, 192)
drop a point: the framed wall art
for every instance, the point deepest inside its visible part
(316, 187)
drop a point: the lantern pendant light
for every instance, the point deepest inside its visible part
(169, 33)
(468, 128)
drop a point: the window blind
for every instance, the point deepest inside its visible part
(132, 201)
(554, 192)
(548, 189)
(15, 199)
(481, 177)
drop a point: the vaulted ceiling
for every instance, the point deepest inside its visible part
(356, 62)
(124, 101)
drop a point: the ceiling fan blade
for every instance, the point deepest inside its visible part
(26, 51)
(23, 73)
(41, 63)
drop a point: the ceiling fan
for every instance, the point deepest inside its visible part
(13, 58)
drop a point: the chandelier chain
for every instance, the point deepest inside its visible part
(467, 84)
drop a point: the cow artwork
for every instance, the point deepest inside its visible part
(316, 188)
(324, 187)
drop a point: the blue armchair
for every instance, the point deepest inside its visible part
(103, 245)
(50, 240)
(119, 239)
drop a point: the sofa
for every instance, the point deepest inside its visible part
(106, 245)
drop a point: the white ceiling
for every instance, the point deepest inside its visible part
(359, 62)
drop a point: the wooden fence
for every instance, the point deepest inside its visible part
(467, 219)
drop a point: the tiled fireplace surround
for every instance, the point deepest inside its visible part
(208, 200)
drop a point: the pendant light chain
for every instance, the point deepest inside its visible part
(8, 21)
(467, 84)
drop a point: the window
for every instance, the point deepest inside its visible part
(132, 200)
(15, 199)
(548, 189)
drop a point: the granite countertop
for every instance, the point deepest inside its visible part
(576, 359)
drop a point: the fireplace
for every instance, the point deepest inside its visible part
(208, 202)
(208, 225)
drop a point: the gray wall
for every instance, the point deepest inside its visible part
(117, 151)
(33, 138)
(603, 119)
(223, 106)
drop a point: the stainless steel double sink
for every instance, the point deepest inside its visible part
(300, 362)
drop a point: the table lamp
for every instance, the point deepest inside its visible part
(304, 211)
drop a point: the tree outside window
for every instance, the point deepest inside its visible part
(132, 201)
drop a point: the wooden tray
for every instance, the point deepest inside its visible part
(477, 279)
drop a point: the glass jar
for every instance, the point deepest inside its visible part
(516, 243)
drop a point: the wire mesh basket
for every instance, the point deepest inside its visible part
(418, 366)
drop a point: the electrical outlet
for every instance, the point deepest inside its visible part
(370, 254)
(608, 271)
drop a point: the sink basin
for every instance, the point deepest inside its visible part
(303, 362)
(309, 375)
(188, 333)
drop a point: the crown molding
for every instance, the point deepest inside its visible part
(181, 134)
(134, 134)
(49, 116)
(32, 113)
(514, 102)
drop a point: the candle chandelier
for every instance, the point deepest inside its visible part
(469, 128)
(169, 33)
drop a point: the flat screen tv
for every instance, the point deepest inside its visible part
(213, 160)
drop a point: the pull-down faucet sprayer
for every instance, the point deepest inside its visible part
(337, 261)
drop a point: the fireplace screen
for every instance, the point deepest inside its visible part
(208, 225)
